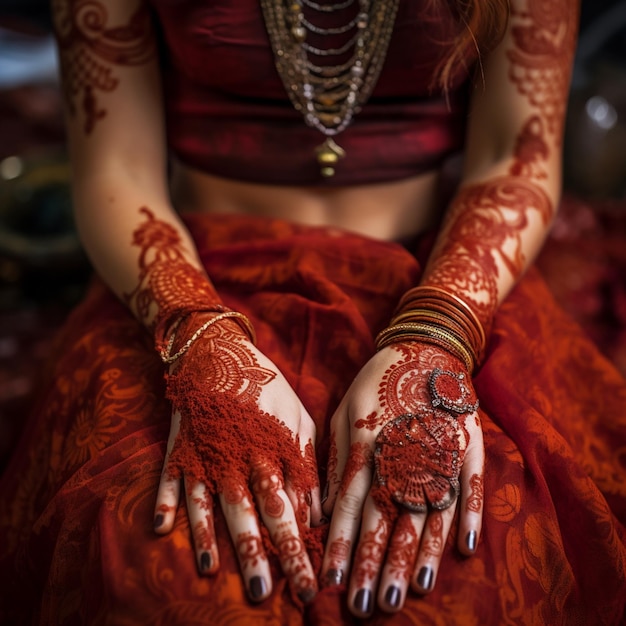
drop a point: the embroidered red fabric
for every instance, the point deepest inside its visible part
(76, 503)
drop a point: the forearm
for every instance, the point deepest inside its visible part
(493, 230)
(140, 248)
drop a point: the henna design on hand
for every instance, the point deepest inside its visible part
(359, 456)
(339, 554)
(90, 49)
(418, 460)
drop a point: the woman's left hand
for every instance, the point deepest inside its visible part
(405, 441)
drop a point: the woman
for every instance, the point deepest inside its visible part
(261, 186)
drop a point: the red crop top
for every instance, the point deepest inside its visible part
(228, 113)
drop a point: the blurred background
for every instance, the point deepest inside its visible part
(43, 271)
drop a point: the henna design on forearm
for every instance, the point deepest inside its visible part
(90, 48)
(483, 232)
(167, 281)
(545, 37)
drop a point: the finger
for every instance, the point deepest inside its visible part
(346, 519)
(337, 458)
(368, 560)
(316, 516)
(280, 520)
(200, 512)
(472, 501)
(306, 504)
(434, 537)
(168, 494)
(400, 561)
(238, 509)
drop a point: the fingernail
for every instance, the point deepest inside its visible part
(323, 520)
(205, 561)
(470, 540)
(425, 577)
(306, 595)
(158, 520)
(363, 601)
(325, 492)
(392, 596)
(334, 577)
(257, 587)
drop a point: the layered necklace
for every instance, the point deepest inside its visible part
(329, 56)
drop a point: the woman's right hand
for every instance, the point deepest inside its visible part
(239, 432)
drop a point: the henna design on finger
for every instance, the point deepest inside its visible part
(433, 540)
(294, 560)
(475, 499)
(266, 484)
(249, 549)
(338, 555)
(370, 553)
(331, 471)
(90, 49)
(403, 548)
(359, 456)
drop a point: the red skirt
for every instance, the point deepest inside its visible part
(76, 502)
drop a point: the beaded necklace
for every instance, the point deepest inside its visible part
(329, 85)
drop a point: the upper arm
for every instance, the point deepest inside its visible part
(111, 88)
(518, 108)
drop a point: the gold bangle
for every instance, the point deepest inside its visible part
(423, 289)
(417, 331)
(166, 355)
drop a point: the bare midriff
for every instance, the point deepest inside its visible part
(389, 211)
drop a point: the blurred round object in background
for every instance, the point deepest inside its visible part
(595, 141)
(594, 157)
(36, 222)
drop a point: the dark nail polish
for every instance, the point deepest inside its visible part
(470, 540)
(306, 595)
(334, 577)
(363, 601)
(158, 520)
(257, 587)
(425, 578)
(205, 561)
(323, 520)
(393, 595)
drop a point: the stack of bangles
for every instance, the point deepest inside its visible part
(221, 313)
(435, 316)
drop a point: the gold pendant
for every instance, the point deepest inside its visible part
(328, 154)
